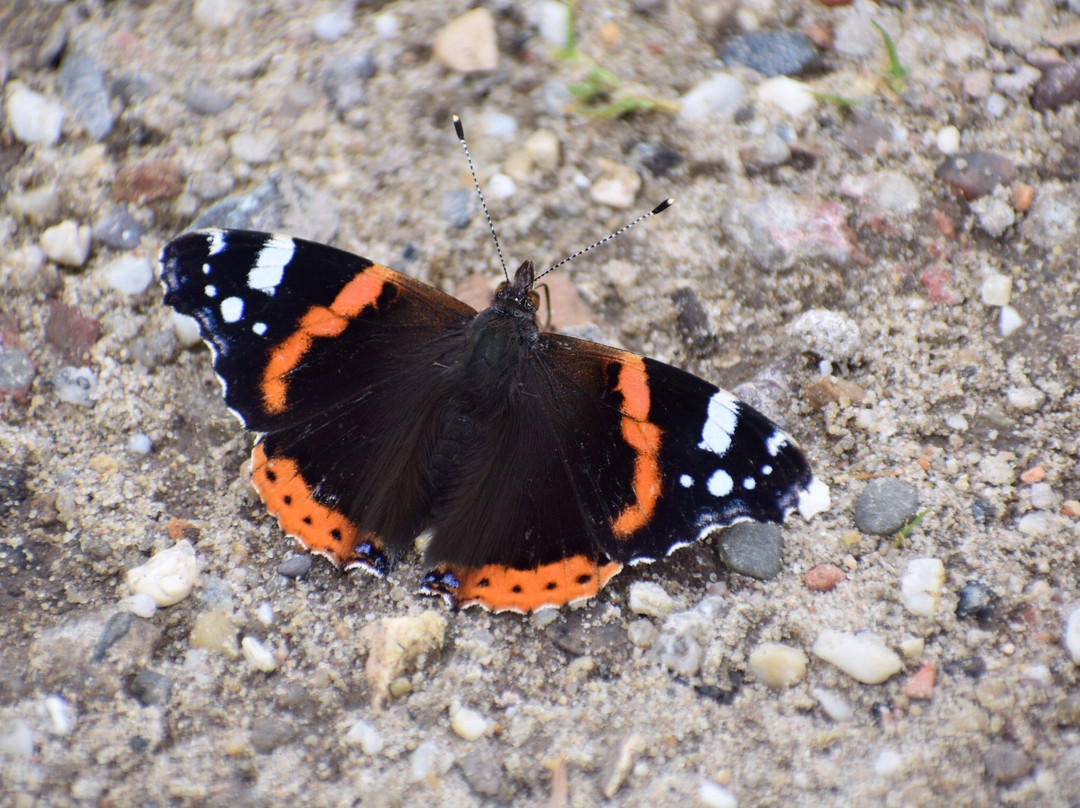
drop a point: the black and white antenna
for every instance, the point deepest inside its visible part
(667, 203)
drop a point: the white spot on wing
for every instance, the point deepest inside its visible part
(270, 264)
(205, 269)
(210, 290)
(723, 416)
(686, 481)
(749, 483)
(232, 309)
(217, 243)
(259, 328)
(766, 469)
(777, 441)
(720, 483)
(815, 499)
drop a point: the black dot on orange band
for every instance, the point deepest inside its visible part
(550, 585)
(306, 520)
(271, 476)
(584, 579)
(516, 588)
(287, 499)
(483, 582)
(335, 534)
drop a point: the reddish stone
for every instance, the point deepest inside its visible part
(937, 281)
(71, 333)
(920, 686)
(824, 577)
(148, 181)
(1035, 474)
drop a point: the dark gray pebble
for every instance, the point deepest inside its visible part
(270, 732)
(885, 506)
(456, 208)
(772, 53)
(119, 229)
(657, 159)
(1058, 86)
(116, 627)
(205, 99)
(16, 370)
(481, 772)
(13, 487)
(1005, 764)
(753, 548)
(692, 321)
(155, 350)
(975, 599)
(975, 174)
(260, 209)
(296, 567)
(151, 688)
(82, 85)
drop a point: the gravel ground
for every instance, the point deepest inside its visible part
(888, 265)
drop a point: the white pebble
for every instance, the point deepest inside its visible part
(469, 43)
(957, 422)
(948, 140)
(551, 20)
(715, 97)
(265, 613)
(996, 289)
(33, 118)
(1009, 321)
(366, 736)
(469, 724)
(996, 104)
(1038, 674)
(258, 655)
(186, 329)
(496, 124)
(139, 443)
(650, 599)
(792, 97)
(215, 15)
(74, 385)
(17, 740)
(253, 148)
(860, 656)
(168, 577)
(618, 187)
(1072, 635)
(130, 275)
(61, 715)
(387, 25)
(141, 605)
(1043, 497)
(424, 761)
(334, 25)
(500, 186)
(67, 243)
(834, 705)
(714, 795)
(921, 585)
(1025, 399)
(776, 665)
(543, 149)
(1036, 524)
(888, 762)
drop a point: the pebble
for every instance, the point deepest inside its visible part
(74, 385)
(67, 243)
(860, 656)
(1009, 321)
(398, 644)
(139, 443)
(834, 705)
(650, 599)
(115, 629)
(776, 665)
(216, 15)
(151, 688)
(148, 181)
(35, 205)
(344, 82)
(996, 289)
(254, 149)
(258, 655)
(975, 599)
(1005, 764)
(692, 321)
(167, 577)
(186, 329)
(791, 97)
(715, 97)
(551, 20)
(714, 795)
(783, 230)
(890, 193)
(206, 99)
(214, 630)
(265, 613)
(17, 371)
(456, 208)
(543, 149)
(753, 548)
(118, 229)
(1025, 399)
(467, 723)
(642, 633)
(495, 124)
(829, 334)
(999, 469)
(1058, 86)
(141, 605)
(1072, 635)
(620, 761)
(387, 25)
(268, 733)
(366, 736)
(831, 390)
(885, 506)
(60, 714)
(469, 44)
(1052, 222)
(33, 118)
(82, 86)
(824, 577)
(17, 740)
(678, 645)
(333, 25)
(500, 186)
(921, 585)
(920, 687)
(772, 53)
(1043, 496)
(482, 772)
(994, 214)
(863, 137)
(996, 104)
(888, 762)
(131, 275)
(947, 140)
(427, 761)
(155, 349)
(975, 174)
(1036, 525)
(296, 567)
(617, 187)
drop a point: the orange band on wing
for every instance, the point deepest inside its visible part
(288, 497)
(502, 588)
(318, 321)
(644, 438)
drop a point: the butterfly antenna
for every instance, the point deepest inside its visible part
(483, 203)
(667, 203)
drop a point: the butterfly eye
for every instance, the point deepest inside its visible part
(502, 287)
(533, 299)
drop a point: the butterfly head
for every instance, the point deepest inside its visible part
(519, 292)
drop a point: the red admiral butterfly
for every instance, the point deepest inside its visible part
(537, 464)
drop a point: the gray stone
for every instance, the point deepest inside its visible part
(82, 85)
(753, 548)
(772, 53)
(885, 506)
